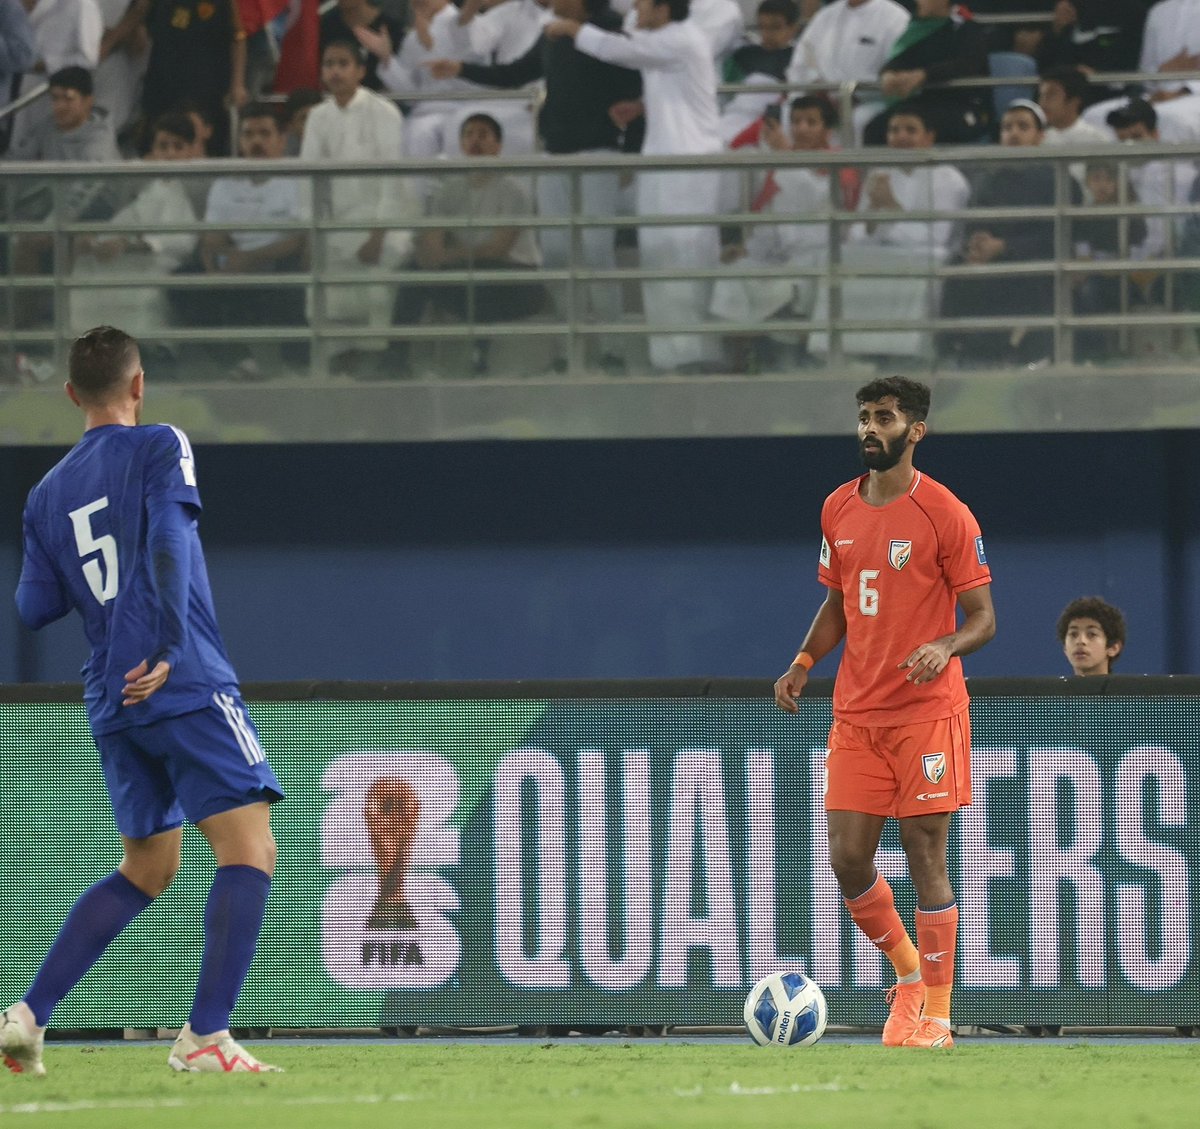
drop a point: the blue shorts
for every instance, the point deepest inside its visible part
(187, 767)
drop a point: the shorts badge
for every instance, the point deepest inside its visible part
(934, 766)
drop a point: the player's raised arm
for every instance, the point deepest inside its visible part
(828, 628)
(978, 627)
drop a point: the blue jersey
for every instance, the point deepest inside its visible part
(91, 544)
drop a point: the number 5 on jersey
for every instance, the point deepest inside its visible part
(102, 582)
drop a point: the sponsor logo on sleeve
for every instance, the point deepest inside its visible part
(899, 553)
(979, 553)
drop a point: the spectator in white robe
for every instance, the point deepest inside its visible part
(722, 22)
(904, 249)
(356, 124)
(501, 32)
(133, 251)
(680, 96)
(849, 41)
(435, 34)
(790, 194)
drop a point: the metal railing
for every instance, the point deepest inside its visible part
(39, 320)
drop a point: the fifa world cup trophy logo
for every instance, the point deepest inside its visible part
(391, 812)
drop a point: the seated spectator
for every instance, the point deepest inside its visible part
(342, 20)
(296, 109)
(1156, 182)
(257, 199)
(791, 194)
(66, 33)
(435, 35)
(941, 42)
(1096, 35)
(204, 127)
(1023, 184)
(849, 41)
(502, 31)
(356, 124)
(143, 309)
(1097, 238)
(1062, 95)
(761, 63)
(576, 117)
(906, 249)
(74, 132)
(486, 193)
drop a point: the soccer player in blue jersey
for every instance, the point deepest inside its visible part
(111, 533)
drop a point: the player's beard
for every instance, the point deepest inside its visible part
(886, 455)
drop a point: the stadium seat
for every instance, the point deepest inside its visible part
(1011, 64)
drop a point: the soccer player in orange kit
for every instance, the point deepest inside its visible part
(900, 555)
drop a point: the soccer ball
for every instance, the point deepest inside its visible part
(785, 1009)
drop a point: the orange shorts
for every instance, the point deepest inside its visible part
(901, 770)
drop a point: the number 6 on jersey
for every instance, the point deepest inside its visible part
(868, 597)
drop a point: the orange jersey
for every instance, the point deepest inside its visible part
(900, 568)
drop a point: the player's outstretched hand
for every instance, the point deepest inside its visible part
(141, 682)
(927, 661)
(788, 687)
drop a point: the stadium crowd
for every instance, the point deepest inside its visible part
(155, 80)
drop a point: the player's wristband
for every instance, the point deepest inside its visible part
(804, 659)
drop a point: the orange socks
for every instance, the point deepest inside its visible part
(937, 936)
(874, 912)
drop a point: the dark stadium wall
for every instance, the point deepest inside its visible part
(634, 558)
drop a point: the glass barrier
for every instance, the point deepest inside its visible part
(771, 263)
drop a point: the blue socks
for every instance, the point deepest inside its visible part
(99, 914)
(232, 921)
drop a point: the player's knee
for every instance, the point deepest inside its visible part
(152, 877)
(853, 867)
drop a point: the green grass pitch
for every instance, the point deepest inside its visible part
(625, 1085)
